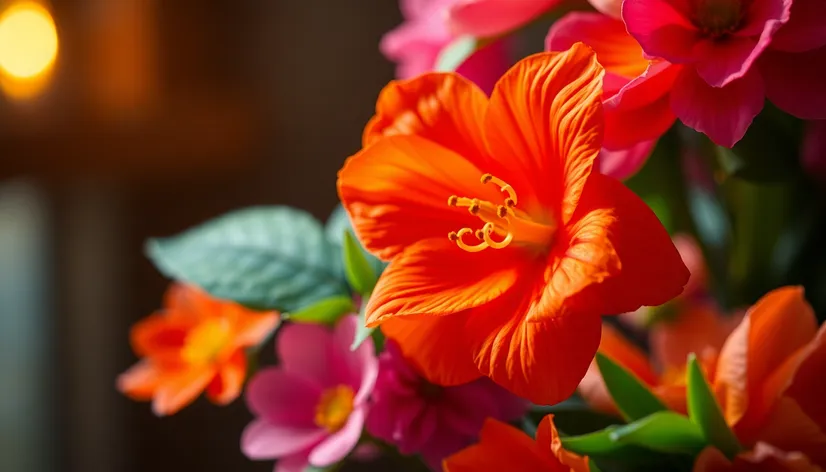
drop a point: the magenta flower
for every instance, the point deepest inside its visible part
(733, 54)
(417, 43)
(311, 408)
(485, 18)
(419, 417)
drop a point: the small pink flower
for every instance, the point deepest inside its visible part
(418, 42)
(485, 18)
(733, 54)
(434, 421)
(311, 408)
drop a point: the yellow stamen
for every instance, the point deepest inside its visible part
(334, 407)
(506, 221)
(205, 342)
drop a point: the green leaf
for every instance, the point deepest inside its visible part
(633, 399)
(664, 431)
(327, 311)
(362, 332)
(337, 224)
(597, 444)
(705, 412)
(264, 257)
(592, 466)
(455, 53)
(360, 275)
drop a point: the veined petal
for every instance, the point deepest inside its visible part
(794, 82)
(436, 346)
(774, 328)
(444, 108)
(396, 192)
(804, 31)
(661, 29)
(547, 437)
(502, 447)
(435, 277)
(652, 271)
(617, 51)
(542, 361)
(723, 114)
(545, 120)
(484, 18)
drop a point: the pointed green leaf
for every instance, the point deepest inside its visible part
(455, 53)
(705, 412)
(362, 331)
(633, 399)
(664, 431)
(327, 311)
(337, 224)
(264, 257)
(360, 275)
(600, 444)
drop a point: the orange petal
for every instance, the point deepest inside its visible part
(140, 381)
(652, 271)
(396, 192)
(789, 428)
(712, 460)
(436, 347)
(774, 328)
(252, 328)
(502, 447)
(446, 109)
(178, 390)
(807, 387)
(160, 337)
(542, 361)
(188, 301)
(434, 277)
(698, 327)
(229, 381)
(547, 437)
(545, 121)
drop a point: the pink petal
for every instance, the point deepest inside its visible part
(484, 18)
(661, 30)
(814, 149)
(304, 349)
(283, 397)
(723, 114)
(467, 407)
(264, 440)
(729, 60)
(623, 163)
(415, 44)
(358, 368)
(486, 65)
(294, 463)
(795, 82)
(336, 446)
(805, 29)
(611, 8)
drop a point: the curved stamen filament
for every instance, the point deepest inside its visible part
(457, 238)
(503, 186)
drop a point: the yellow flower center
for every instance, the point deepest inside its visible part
(508, 223)
(334, 407)
(205, 342)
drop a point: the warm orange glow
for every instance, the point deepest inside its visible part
(28, 48)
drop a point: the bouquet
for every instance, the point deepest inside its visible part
(603, 256)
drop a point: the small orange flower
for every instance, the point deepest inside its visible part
(195, 343)
(505, 247)
(503, 447)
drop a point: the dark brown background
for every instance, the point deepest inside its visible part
(164, 113)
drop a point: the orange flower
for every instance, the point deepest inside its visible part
(769, 377)
(195, 343)
(699, 328)
(505, 247)
(764, 458)
(503, 447)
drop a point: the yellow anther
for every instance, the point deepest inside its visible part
(501, 211)
(486, 178)
(480, 235)
(510, 203)
(474, 207)
(503, 186)
(453, 236)
(452, 200)
(466, 247)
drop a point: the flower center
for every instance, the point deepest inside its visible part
(205, 342)
(334, 407)
(508, 223)
(718, 18)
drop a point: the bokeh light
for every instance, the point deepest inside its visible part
(28, 48)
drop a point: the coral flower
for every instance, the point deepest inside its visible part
(636, 90)
(699, 329)
(311, 408)
(196, 343)
(504, 247)
(735, 53)
(417, 43)
(419, 417)
(503, 447)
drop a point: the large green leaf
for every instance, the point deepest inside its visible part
(327, 311)
(705, 412)
(633, 399)
(664, 431)
(360, 274)
(265, 257)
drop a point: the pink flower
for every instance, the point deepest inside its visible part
(733, 54)
(311, 408)
(417, 43)
(434, 421)
(485, 18)
(636, 89)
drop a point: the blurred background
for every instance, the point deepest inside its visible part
(126, 119)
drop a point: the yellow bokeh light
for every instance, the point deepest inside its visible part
(28, 46)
